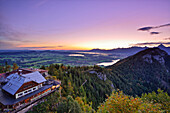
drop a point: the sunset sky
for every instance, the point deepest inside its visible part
(83, 24)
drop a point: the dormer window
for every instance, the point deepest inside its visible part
(9, 84)
(19, 78)
(14, 77)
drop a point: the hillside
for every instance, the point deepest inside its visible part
(143, 72)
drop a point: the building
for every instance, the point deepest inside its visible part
(23, 89)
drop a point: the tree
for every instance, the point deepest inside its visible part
(121, 103)
(161, 97)
(51, 70)
(69, 105)
(87, 108)
(82, 93)
(69, 88)
(15, 67)
(6, 66)
(2, 69)
(42, 67)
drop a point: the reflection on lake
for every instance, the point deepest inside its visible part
(108, 63)
(75, 55)
(94, 53)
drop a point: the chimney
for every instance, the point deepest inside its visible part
(19, 72)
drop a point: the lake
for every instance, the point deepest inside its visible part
(75, 55)
(108, 63)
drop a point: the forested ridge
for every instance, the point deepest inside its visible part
(98, 95)
(77, 81)
(143, 72)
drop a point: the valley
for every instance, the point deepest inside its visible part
(38, 58)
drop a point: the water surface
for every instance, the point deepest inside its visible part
(108, 63)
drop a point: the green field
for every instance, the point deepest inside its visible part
(38, 58)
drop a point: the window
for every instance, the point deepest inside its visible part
(25, 91)
(9, 84)
(14, 77)
(29, 90)
(34, 88)
(19, 78)
(20, 94)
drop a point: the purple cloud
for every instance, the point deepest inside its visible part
(154, 33)
(8, 34)
(40, 47)
(6, 45)
(150, 43)
(145, 28)
(167, 38)
(154, 27)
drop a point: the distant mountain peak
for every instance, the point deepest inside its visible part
(161, 46)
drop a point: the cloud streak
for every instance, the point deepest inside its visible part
(167, 38)
(60, 46)
(42, 2)
(6, 45)
(153, 27)
(145, 28)
(154, 33)
(9, 34)
(150, 43)
(41, 47)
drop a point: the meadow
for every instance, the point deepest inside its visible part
(29, 58)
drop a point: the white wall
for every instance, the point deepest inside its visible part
(24, 92)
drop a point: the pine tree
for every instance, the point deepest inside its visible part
(15, 67)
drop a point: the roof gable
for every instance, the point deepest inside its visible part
(35, 76)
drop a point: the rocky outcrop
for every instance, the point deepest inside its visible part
(156, 54)
(159, 58)
(149, 58)
(100, 75)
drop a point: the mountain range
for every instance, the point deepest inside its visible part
(130, 50)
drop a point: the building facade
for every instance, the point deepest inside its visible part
(23, 89)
